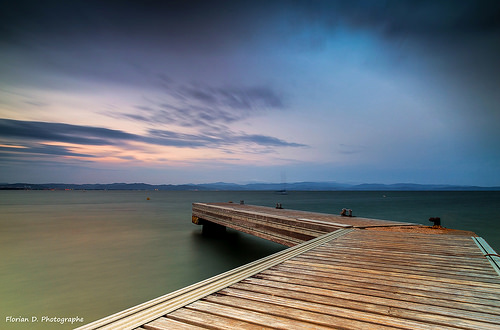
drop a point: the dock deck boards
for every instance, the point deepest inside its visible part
(287, 227)
(364, 276)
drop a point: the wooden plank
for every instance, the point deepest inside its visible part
(164, 323)
(450, 262)
(377, 290)
(286, 240)
(439, 266)
(420, 289)
(262, 319)
(467, 288)
(250, 220)
(422, 311)
(231, 214)
(444, 243)
(307, 221)
(428, 235)
(437, 263)
(363, 266)
(210, 320)
(414, 247)
(314, 314)
(490, 254)
(276, 228)
(376, 264)
(288, 234)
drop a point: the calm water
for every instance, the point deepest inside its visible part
(90, 254)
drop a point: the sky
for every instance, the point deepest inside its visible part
(171, 92)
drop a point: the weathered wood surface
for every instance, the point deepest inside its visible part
(363, 277)
(287, 227)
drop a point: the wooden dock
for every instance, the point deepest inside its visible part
(287, 227)
(339, 272)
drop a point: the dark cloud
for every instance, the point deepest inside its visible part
(170, 138)
(185, 24)
(43, 131)
(425, 19)
(216, 139)
(252, 98)
(267, 140)
(201, 105)
(36, 133)
(126, 41)
(41, 149)
(216, 26)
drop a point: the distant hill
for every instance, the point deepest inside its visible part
(218, 186)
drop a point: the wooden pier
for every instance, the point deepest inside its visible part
(287, 227)
(340, 272)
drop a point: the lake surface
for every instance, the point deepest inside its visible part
(89, 254)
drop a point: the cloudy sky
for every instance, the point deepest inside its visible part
(243, 91)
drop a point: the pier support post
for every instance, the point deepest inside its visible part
(209, 228)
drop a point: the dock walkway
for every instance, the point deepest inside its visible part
(287, 227)
(351, 273)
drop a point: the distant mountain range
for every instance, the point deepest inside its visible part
(297, 186)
